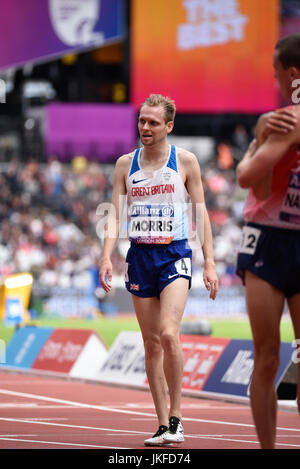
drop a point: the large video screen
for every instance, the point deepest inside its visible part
(36, 30)
(210, 56)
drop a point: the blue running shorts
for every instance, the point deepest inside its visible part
(151, 267)
(272, 254)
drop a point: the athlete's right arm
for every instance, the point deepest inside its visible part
(112, 227)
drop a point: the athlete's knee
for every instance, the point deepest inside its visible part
(169, 341)
(152, 346)
(266, 361)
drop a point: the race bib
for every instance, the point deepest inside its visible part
(151, 223)
(184, 266)
(250, 236)
(290, 209)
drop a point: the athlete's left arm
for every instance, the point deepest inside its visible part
(194, 187)
(259, 161)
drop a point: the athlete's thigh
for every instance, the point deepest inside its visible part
(147, 311)
(172, 302)
(294, 308)
(265, 307)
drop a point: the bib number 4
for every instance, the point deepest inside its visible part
(183, 266)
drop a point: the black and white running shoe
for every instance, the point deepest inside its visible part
(175, 433)
(158, 438)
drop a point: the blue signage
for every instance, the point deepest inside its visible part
(25, 345)
(14, 311)
(233, 371)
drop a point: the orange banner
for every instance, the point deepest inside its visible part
(208, 55)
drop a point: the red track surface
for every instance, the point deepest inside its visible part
(44, 413)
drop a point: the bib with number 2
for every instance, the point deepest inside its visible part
(249, 240)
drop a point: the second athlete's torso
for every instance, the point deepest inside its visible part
(281, 208)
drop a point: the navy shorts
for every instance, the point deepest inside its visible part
(272, 254)
(151, 267)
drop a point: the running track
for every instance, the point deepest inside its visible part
(38, 412)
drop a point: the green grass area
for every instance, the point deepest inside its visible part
(109, 328)
(241, 329)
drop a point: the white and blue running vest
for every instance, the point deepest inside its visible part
(158, 202)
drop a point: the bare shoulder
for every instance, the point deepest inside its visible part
(187, 159)
(121, 171)
(188, 166)
(123, 163)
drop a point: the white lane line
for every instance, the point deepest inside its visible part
(61, 443)
(287, 444)
(134, 433)
(46, 418)
(221, 438)
(72, 403)
(11, 436)
(123, 411)
(149, 405)
(30, 405)
(239, 441)
(82, 427)
(244, 435)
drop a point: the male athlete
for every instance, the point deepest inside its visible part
(269, 258)
(159, 180)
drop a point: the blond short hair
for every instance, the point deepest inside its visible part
(167, 103)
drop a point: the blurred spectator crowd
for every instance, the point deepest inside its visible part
(48, 218)
(47, 214)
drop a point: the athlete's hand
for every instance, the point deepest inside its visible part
(210, 280)
(105, 274)
(281, 121)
